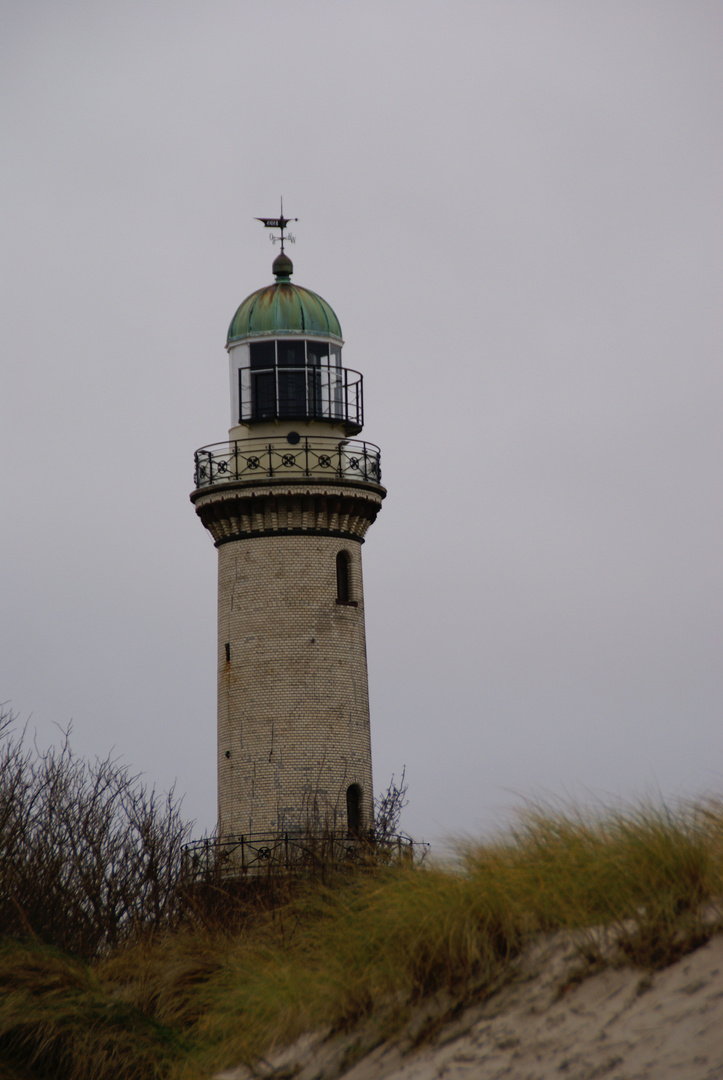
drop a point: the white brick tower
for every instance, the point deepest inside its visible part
(288, 500)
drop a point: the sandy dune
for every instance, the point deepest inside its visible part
(618, 1024)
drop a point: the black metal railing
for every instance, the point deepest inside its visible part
(319, 456)
(312, 392)
(254, 853)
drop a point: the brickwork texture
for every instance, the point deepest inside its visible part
(293, 705)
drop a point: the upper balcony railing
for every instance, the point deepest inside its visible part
(320, 457)
(320, 392)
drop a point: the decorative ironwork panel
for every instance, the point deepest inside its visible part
(247, 459)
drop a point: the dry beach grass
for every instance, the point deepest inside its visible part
(633, 888)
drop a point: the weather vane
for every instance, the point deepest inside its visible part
(278, 223)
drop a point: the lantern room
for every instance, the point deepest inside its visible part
(284, 346)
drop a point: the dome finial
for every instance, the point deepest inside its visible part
(282, 266)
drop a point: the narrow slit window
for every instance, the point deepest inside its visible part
(353, 809)
(343, 576)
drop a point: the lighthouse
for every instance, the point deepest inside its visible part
(288, 499)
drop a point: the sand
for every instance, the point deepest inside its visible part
(620, 1024)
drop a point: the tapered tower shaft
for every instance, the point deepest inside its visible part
(288, 500)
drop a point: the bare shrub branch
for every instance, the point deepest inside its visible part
(388, 808)
(88, 853)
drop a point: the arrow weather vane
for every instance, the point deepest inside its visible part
(278, 223)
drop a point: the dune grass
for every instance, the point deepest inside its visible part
(183, 1004)
(57, 1020)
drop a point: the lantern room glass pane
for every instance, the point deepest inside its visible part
(291, 353)
(263, 354)
(292, 393)
(317, 352)
(263, 395)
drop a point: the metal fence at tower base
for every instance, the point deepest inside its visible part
(253, 854)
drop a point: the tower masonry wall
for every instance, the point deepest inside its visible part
(293, 706)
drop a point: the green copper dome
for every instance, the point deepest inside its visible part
(283, 308)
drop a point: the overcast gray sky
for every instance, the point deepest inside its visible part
(514, 207)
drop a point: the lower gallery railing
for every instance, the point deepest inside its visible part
(320, 457)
